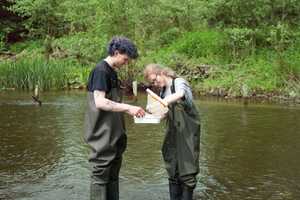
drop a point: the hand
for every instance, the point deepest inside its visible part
(136, 111)
(156, 108)
(163, 116)
(150, 108)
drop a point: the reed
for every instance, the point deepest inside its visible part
(53, 74)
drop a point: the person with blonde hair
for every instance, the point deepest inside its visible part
(181, 144)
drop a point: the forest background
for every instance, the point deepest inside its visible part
(229, 48)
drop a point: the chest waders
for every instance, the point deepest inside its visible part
(181, 148)
(105, 135)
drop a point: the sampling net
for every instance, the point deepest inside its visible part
(155, 107)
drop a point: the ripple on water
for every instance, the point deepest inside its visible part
(247, 152)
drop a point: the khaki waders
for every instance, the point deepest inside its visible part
(181, 149)
(105, 135)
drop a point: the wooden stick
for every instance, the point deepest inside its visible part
(134, 88)
(156, 97)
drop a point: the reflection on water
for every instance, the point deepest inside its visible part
(247, 152)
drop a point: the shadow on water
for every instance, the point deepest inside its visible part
(247, 151)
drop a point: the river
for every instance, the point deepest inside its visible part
(248, 151)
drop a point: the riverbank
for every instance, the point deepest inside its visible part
(202, 58)
(215, 94)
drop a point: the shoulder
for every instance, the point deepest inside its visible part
(101, 70)
(183, 85)
(181, 81)
(102, 66)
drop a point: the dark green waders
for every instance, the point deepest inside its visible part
(181, 149)
(105, 134)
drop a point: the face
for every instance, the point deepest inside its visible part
(121, 59)
(157, 80)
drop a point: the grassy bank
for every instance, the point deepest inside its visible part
(208, 59)
(25, 73)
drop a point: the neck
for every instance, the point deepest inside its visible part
(110, 61)
(168, 81)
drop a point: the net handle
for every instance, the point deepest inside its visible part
(156, 97)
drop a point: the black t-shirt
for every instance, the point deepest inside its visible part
(102, 77)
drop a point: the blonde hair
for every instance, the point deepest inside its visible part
(158, 70)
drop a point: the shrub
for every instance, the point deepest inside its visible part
(200, 44)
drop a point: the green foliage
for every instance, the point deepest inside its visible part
(200, 44)
(256, 73)
(54, 17)
(261, 73)
(247, 23)
(281, 37)
(240, 42)
(26, 73)
(29, 46)
(86, 47)
(169, 36)
(291, 60)
(2, 42)
(145, 21)
(80, 15)
(43, 17)
(240, 13)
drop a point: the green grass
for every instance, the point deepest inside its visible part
(263, 71)
(207, 43)
(257, 74)
(54, 74)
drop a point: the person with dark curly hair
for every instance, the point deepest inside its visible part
(105, 131)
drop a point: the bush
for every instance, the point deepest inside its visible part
(240, 42)
(86, 47)
(169, 36)
(200, 44)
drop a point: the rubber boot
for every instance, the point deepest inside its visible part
(187, 193)
(98, 192)
(175, 191)
(113, 190)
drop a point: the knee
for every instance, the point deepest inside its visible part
(189, 181)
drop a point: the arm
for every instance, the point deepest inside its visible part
(174, 97)
(105, 104)
(156, 108)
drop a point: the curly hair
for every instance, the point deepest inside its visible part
(123, 45)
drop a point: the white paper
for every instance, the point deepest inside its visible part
(147, 119)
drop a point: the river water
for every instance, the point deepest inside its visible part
(248, 151)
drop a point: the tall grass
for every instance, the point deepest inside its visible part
(26, 73)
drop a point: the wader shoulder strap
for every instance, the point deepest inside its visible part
(173, 86)
(173, 105)
(162, 93)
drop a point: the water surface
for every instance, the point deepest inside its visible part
(247, 151)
